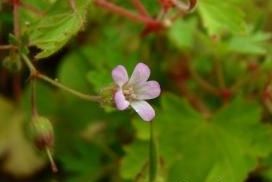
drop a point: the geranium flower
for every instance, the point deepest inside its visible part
(134, 91)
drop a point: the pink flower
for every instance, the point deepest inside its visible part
(134, 91)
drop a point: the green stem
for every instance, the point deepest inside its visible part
(33, 98)
(28, 63)
(34, 73)
(52, 162)
(67, 89)
(152, 156)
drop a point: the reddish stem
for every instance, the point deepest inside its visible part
(16, 17)
(140, 7)
(123, 12)
(15, 2)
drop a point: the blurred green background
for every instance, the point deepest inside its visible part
(213, 121)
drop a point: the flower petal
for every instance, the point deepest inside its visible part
(120, 100)
(144, 109)
(140, 74)
(147, 90)
(119, 75)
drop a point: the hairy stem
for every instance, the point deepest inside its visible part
(140, 7)
(123, 12)
(33, 97)
(34, 73)
(67, 89)
(52, 162)
(152, 155)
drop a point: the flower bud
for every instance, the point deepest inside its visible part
(42, 132)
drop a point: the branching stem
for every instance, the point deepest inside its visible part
(36, 74)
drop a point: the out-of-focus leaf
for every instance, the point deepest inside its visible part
(82, 161)
(20, 157)
(182, 33)
(53, 31)
(73, 72)
(99, 79)
(131, 165)
(221, 16)
(254, 43)
(225, 147)
(44, 93)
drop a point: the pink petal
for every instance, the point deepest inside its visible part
(144, 109)
(147, 90)
(119, 75)
(140, 74)
(120, 100)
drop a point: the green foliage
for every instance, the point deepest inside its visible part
(51, 33)
(223, 135)
(221, 17)
(253, 43)
(225, 147)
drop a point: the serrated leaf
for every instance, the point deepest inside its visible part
(225, 147)
(254, 43)
(53, 31)
(221, 16)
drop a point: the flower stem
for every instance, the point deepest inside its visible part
(123, 12)
(140, 7)
(67, 89)
(152, 156)
(33, 98)
(36, 74)
(52, 162)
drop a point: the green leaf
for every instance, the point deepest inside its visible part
(131, 164)
(253, 43)
(73, 72)
(225, 147)
(82, 161)
(221, 16)
(13, 143)
(182, 33)
(53, 31)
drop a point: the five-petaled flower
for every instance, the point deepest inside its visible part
(134, 91)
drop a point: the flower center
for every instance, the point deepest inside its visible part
(129, 93)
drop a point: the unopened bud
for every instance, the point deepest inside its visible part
(42, 132)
